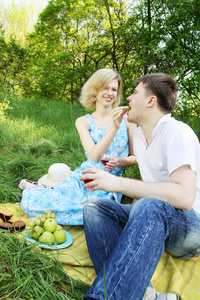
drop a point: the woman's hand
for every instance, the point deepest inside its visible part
(118, 114)
(112, 163)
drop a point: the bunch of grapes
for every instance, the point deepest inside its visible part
(44, 228)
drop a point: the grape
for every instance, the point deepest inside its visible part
(127, 108)
(37, 221)
(31, 223)
(48, 215)
(43, 219)
(53, 215)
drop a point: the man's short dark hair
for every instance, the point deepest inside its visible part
(163, 87)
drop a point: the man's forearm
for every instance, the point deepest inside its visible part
(169, 192)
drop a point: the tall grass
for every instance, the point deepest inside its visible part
(28, 273)
(33, 135)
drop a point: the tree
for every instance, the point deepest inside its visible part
(71, 40)
(168, 40)
(19, 19)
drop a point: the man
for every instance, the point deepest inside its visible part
(130, 239)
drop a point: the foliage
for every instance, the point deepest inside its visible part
(29, 273)
(72, 39)
(21, 16)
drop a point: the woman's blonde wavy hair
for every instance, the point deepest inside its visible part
(97, 82)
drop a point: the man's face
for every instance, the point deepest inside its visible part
(137, 101)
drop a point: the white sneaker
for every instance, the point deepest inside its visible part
(168, 296)
(151, 294)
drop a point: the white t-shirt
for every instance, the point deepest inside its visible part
(173, 144)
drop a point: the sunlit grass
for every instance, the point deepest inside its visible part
(33, 135)
(27, 272)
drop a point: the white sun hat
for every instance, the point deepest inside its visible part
(57, 173)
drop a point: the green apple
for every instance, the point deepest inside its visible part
(50, 225)
(59, 228)
(46, 238)
(35, 232)
(29, 230)
(59, 236)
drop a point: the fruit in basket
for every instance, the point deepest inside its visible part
(50, 225)
(46, 238)
(59, 236)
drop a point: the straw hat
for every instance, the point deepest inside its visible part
(57, 173)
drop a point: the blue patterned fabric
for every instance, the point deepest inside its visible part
(66, 197)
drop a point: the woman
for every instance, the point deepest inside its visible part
(106, 130)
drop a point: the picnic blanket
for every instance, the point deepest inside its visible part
(173, 275)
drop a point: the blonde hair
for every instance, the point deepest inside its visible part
(97, 82)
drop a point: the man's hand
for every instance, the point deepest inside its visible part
(101, 180)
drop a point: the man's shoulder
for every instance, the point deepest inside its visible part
(178, 126)
(176, 130)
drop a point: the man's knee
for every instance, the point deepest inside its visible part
(148, 205)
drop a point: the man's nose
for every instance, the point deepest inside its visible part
(129, 98)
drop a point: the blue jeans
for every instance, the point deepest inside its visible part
(131, 239)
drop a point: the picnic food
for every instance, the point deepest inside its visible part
(50, 225)
(59, 236)
(10, 222)
(42, 227)
(46, 238)
(127, 108)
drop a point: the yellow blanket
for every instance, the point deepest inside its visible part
(181, 277)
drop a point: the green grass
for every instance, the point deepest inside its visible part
(28, 273)
(34, 134)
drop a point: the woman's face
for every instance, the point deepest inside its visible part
(108, 95)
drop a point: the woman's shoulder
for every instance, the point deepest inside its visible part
(83, 120)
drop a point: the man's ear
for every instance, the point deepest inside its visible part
(152, 100)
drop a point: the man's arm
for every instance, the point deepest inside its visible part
(179, 192)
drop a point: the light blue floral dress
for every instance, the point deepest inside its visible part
(66, 197)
